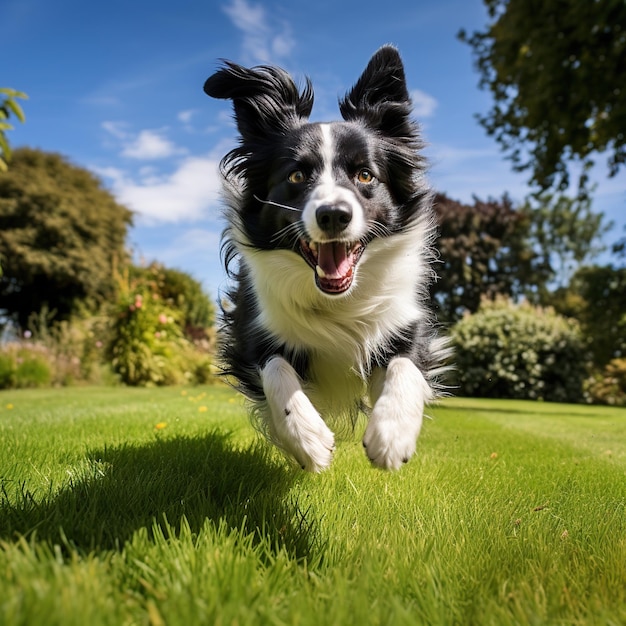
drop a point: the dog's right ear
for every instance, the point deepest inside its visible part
(265, 99)
(380, 97)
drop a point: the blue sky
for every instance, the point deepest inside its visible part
(117, 87)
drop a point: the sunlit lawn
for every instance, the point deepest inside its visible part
(132, 506)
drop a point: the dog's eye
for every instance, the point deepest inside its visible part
(296, 177)
(365, 176)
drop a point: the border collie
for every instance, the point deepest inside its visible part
(329, 242)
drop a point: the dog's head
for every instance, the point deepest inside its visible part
(324, 191)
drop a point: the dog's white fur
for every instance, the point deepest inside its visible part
(396, 420)
(294, 424)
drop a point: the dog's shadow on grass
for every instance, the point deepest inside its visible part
(119, 490)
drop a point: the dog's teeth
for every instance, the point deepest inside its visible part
(313, 246)
(320, 272)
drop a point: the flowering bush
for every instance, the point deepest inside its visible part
(147, 344)
(519, 351)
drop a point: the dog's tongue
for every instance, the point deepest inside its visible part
(333, 259)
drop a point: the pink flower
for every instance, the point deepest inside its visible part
(162, 318)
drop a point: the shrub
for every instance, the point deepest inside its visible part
(33, 370)
(143, 342)
(24, 365)
(7, 371)
(609, 385)
(147, 344)
(519, 351)
(73, 347)
(182, 292)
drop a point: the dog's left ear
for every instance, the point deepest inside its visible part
(380, 97)
(265, 99)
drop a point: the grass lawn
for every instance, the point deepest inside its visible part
(134, 506)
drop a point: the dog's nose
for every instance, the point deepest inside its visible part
(333, 218)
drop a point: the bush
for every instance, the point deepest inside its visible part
(24, 365)
(7, 371)
(74, 348)
(519, 351)
(32, 370)
(609, 385)
(182, 292)
(147, 344)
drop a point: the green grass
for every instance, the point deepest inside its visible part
(512, 513)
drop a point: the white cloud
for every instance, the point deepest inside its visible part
(424, 105)
(117, 129)
(150, 145)
(262, 42)
(147, 145)
(185, 116)
(189, 193)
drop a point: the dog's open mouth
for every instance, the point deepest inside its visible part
(334, 263)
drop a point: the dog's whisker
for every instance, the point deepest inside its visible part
(287, 232)
(276, 204)
(379, 229)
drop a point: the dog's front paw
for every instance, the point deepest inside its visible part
(390, 438)
(303, 434)
(295, 426)
(391, 435)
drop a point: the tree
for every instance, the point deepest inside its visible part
(565, 233)
(61, 233)
(556, 71)
(619, 247)
(8, 106)
(484, 252)
(596, 297)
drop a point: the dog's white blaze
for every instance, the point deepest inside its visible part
(328, 153)
(328, 192)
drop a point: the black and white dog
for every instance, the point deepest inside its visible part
(329, 238)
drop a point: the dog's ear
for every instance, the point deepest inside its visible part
(380, 97)
(265, 99)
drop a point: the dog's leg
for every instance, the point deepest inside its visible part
(399, 394)
(295, 425)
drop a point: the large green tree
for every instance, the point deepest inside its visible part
(493, 248)
(596, 297)
(555, 69)
(484, 251)
(61, 232)
(565, 233)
